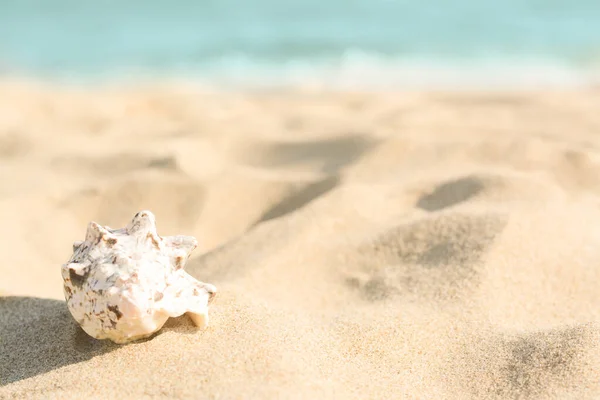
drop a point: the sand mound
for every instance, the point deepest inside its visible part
(177, 200)
(364, 245)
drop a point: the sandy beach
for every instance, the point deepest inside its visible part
(418, 245)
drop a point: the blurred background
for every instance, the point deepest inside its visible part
(335, 43)
(390, 230)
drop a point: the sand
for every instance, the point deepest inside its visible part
(420, 245)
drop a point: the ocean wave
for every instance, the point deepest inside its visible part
(354, 69)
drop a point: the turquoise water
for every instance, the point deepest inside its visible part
(275, 42)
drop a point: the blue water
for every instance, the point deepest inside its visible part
(273, 42)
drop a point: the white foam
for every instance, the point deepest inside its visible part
(358, 70)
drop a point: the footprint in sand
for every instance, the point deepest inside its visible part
(492, 188)
(432, 257)
(530, 364)
(450, 193)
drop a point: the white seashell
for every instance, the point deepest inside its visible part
(123, 284)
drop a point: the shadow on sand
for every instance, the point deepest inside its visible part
(39, 335)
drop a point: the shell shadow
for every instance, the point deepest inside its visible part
(39, 335)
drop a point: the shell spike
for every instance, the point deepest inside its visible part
(180, 243)
(142, 223)
(200, 320)
(212, 291)
(95, 232)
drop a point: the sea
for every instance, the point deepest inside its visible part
(280, 43)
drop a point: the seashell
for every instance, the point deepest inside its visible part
(123, 284)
